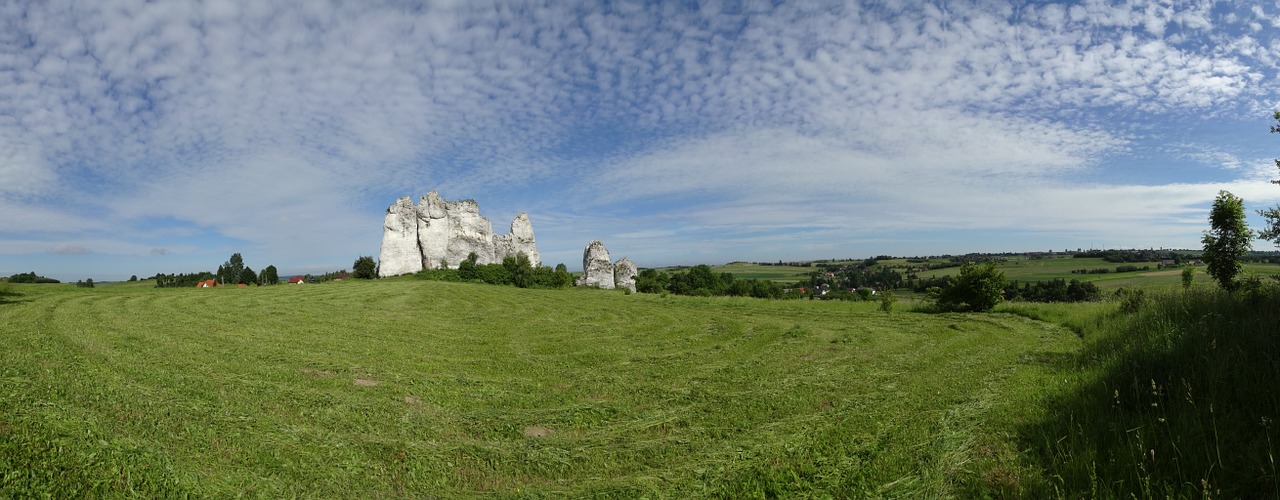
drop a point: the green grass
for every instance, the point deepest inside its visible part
(417, 388)
(1173, 398)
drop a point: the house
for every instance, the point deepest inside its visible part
(207, 284)
(297, 280)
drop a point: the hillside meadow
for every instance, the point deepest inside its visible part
(420, 388)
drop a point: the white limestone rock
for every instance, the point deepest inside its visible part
(399, 253)
(597, 269)
(468, 232)
(624, 274)
(433, 230)
(520, 239)
(438, 232)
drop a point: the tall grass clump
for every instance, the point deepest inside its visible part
(1177, 398)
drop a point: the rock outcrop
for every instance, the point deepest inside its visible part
(599, 272)
(624, 274)
(439, 232)
(400, 254)
(597, 269)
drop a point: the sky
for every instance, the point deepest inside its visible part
(139, 137)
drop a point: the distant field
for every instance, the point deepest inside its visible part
(1023, 269)
(404, 388)
(780, 274)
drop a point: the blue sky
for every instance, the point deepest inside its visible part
(140, 137)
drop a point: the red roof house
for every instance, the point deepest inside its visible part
(207, 284)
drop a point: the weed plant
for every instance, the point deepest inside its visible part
(1176, 397)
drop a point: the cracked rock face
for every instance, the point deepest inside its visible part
(520, 239)
(399, 254)
(597, 269)
(624, 274)
(439, 232)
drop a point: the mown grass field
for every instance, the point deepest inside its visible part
(417, 388)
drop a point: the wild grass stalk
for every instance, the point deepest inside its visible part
(1175, 398)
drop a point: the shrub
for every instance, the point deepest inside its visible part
(364, 268)
(977, 289)
(886, 301)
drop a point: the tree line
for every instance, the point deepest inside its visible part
(513, 271)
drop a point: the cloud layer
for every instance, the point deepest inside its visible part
(727, 130)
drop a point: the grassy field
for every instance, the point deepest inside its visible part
(416, 388)
(1018, 268)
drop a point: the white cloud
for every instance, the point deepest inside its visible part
(285, 125)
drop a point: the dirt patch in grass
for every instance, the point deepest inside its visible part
(536, 431)
(413, 400)
(366, 382)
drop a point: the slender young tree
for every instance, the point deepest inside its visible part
(1272, 215)
(1227, 240)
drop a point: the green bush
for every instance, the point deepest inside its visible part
(978, 288)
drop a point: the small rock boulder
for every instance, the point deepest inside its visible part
(624, 274)
(597, 269)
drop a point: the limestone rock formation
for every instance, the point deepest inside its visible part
(399, 254)
(520, 239)
(624, 274)
(439, 232)
(597, 269)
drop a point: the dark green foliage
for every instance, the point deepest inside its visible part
(494, 274)
(247, 277)
(181, 280)
(1056, 290)
(1178, 402)
(1188, 277)
(133, 278)
(30, 277)
(364, 268)
(700, 281)
(978, 288)
(1227, 241)
(269, 276)
(85, 284)
(467, 268)
(1272, 215)
(520, 270)
(652, 281)
(516, 271)
(561, 267)
(231, 271)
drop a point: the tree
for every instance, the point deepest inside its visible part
(133, 278)
(364, 268)
(1188, 277)
(1227, 240)
(247, 277)
(1272, 215)
(232, 269)
(268, 276)
(467, 268)
(522, 271)
(978, 289)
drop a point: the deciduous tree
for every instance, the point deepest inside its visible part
(1272, 215)
(978, 288)
(364, 268)
(1227, 240)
